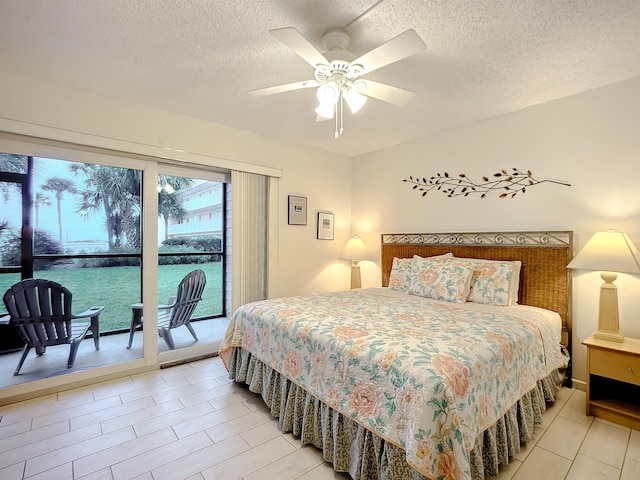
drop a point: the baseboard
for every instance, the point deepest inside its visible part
(188, 360)
(579, 384)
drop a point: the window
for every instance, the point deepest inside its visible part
(80, 228)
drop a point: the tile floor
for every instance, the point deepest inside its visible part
(191, 422)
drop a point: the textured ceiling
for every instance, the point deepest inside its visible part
(200, 57)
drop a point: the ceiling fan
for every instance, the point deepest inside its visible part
(338, 74)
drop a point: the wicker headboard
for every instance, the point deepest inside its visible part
(544, 278)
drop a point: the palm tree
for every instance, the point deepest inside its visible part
(12, 164)
(116, 191)
(40, 200)
(170, 206)
(60, 186)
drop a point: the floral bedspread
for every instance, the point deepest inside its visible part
(426, 375)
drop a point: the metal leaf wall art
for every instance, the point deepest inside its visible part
(508, 185)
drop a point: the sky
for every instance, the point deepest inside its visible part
(74, 227)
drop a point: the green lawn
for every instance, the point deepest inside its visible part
(118, 287)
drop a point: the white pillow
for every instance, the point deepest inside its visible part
(515, 282)
(443, 257)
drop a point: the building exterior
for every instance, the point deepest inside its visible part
(204, 205)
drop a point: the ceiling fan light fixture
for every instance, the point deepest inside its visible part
(354, 99)
(328, 93)
(325, 110)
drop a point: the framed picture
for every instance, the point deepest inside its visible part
(297, 210)
(325, 225)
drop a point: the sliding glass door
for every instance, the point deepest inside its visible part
(191, 212)
(118, 233)
(77, 223)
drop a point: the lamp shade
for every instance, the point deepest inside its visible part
(608, 251)
(354, 250)
(325, 110)
(354, 99)
(328, 93)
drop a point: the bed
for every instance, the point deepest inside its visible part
(412, 380)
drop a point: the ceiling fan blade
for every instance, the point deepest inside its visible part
(386, 93)
(404, 45)
(293, 39)
(263, 92)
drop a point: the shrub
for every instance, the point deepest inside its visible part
(197, 244)
(111, 261)
(208, 244)
(43, 244)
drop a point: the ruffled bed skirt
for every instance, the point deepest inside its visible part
(364, 455)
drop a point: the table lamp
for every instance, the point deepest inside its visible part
(355, 251)
(610, 252)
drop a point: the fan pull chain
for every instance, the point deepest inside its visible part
(335, 135)
(339, 110)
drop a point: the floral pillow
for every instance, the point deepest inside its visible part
(446, 281)
(491, 281)
(402, 268)
(400, 276)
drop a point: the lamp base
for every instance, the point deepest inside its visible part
(356, 282)
(608, 323)
(609, 336)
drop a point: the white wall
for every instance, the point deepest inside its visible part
(591, 140)
(303, 264)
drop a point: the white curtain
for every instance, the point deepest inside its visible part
(249, 207)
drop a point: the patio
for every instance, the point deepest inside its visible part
(113, 349)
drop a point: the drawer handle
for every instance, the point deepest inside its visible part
(630, 369)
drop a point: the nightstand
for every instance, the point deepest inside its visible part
(613, 380)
